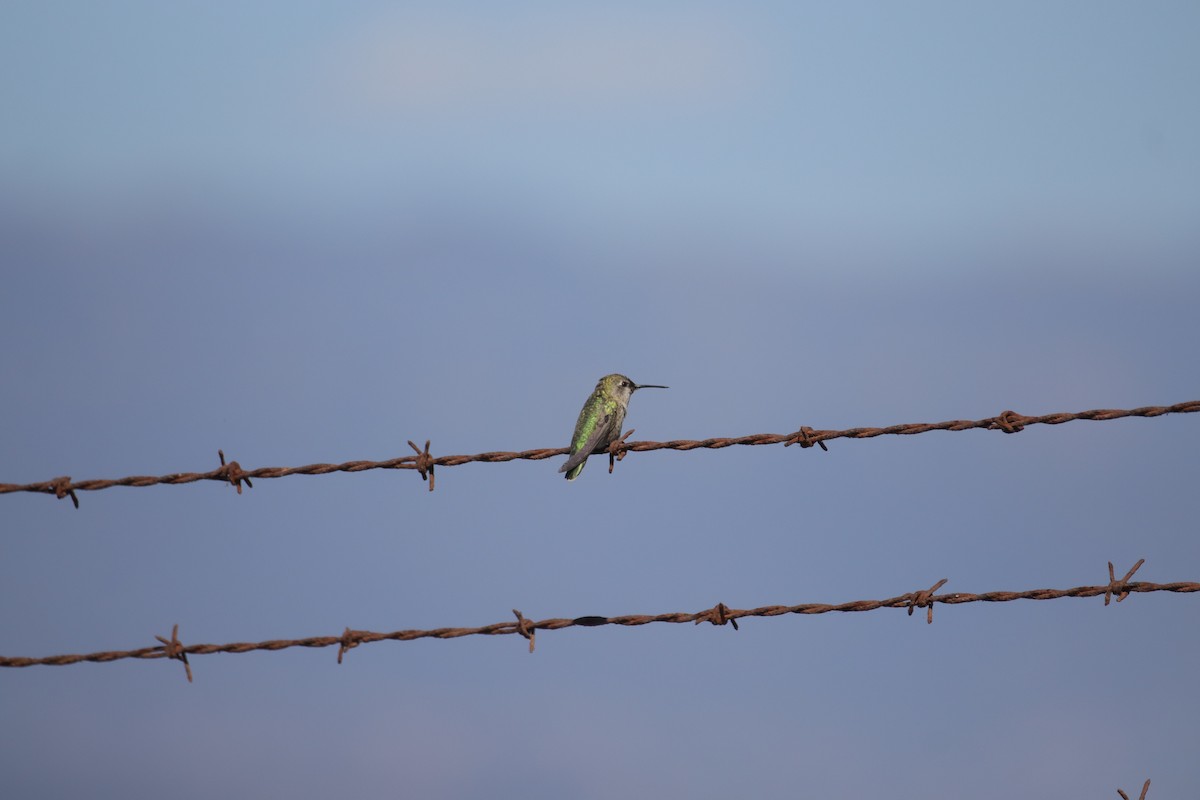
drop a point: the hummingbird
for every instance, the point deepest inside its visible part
(600, 420)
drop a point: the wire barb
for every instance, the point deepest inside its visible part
(1142, 796)
(617, 449)
(423, 462)
(1009, 422)
(803, 437)
(525, 628)
(717, 615)
(233, 473)
(62, 488)
(925, 599)
(172, 648)
(350, 639)
(1118, 587)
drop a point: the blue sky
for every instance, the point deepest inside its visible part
(309, 232)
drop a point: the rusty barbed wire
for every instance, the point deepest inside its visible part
(720, 614)
(424, 463)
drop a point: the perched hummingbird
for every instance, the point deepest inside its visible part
(600, 420)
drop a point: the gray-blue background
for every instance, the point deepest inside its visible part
(309, 232)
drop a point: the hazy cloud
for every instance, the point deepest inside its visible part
(557, 58)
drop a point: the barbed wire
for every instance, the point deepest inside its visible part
(424, 462)
(720, 614)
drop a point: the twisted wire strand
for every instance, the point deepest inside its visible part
(718, 615)
(1007, 421)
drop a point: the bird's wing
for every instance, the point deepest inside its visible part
(589, 445)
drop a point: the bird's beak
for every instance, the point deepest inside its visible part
(649, 386)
